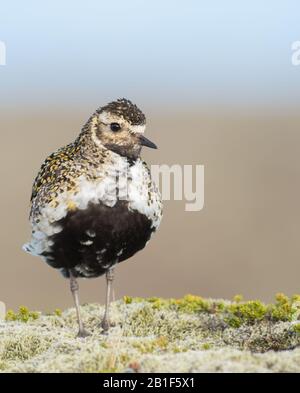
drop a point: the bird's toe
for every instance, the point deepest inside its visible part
(83, 333)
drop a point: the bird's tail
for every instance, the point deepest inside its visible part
(27, 247)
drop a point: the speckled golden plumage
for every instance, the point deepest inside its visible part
(61, 169)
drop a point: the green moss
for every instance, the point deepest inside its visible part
(235, 314)
(296, 328)
(188, 304)
(238, 298)
(158, 303)
(234, 321)
(206, 346)
(58, 312)
(248, 312)
(296, 298)
(127, 299)
(24, 315)
(285, 308)
(191, 304)
(10, 316)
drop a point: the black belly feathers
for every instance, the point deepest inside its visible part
(94, 239)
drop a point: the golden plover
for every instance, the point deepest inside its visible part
(93, 202)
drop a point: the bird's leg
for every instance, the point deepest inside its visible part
(105, 324)
(74, 289)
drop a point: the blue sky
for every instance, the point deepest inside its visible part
(182, 52)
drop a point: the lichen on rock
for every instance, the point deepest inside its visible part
(161, 335)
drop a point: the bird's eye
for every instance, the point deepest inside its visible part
(115, 127)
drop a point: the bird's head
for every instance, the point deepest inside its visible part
(119, 126)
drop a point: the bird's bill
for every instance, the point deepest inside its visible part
(146, 142)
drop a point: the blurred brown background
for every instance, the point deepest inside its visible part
(219, 88)
(245, 240)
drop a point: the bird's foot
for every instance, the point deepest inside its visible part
(106, 324)
(83, 333)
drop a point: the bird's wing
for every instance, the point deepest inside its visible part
(49, 170)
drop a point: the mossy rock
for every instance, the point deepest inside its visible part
(154, 334)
